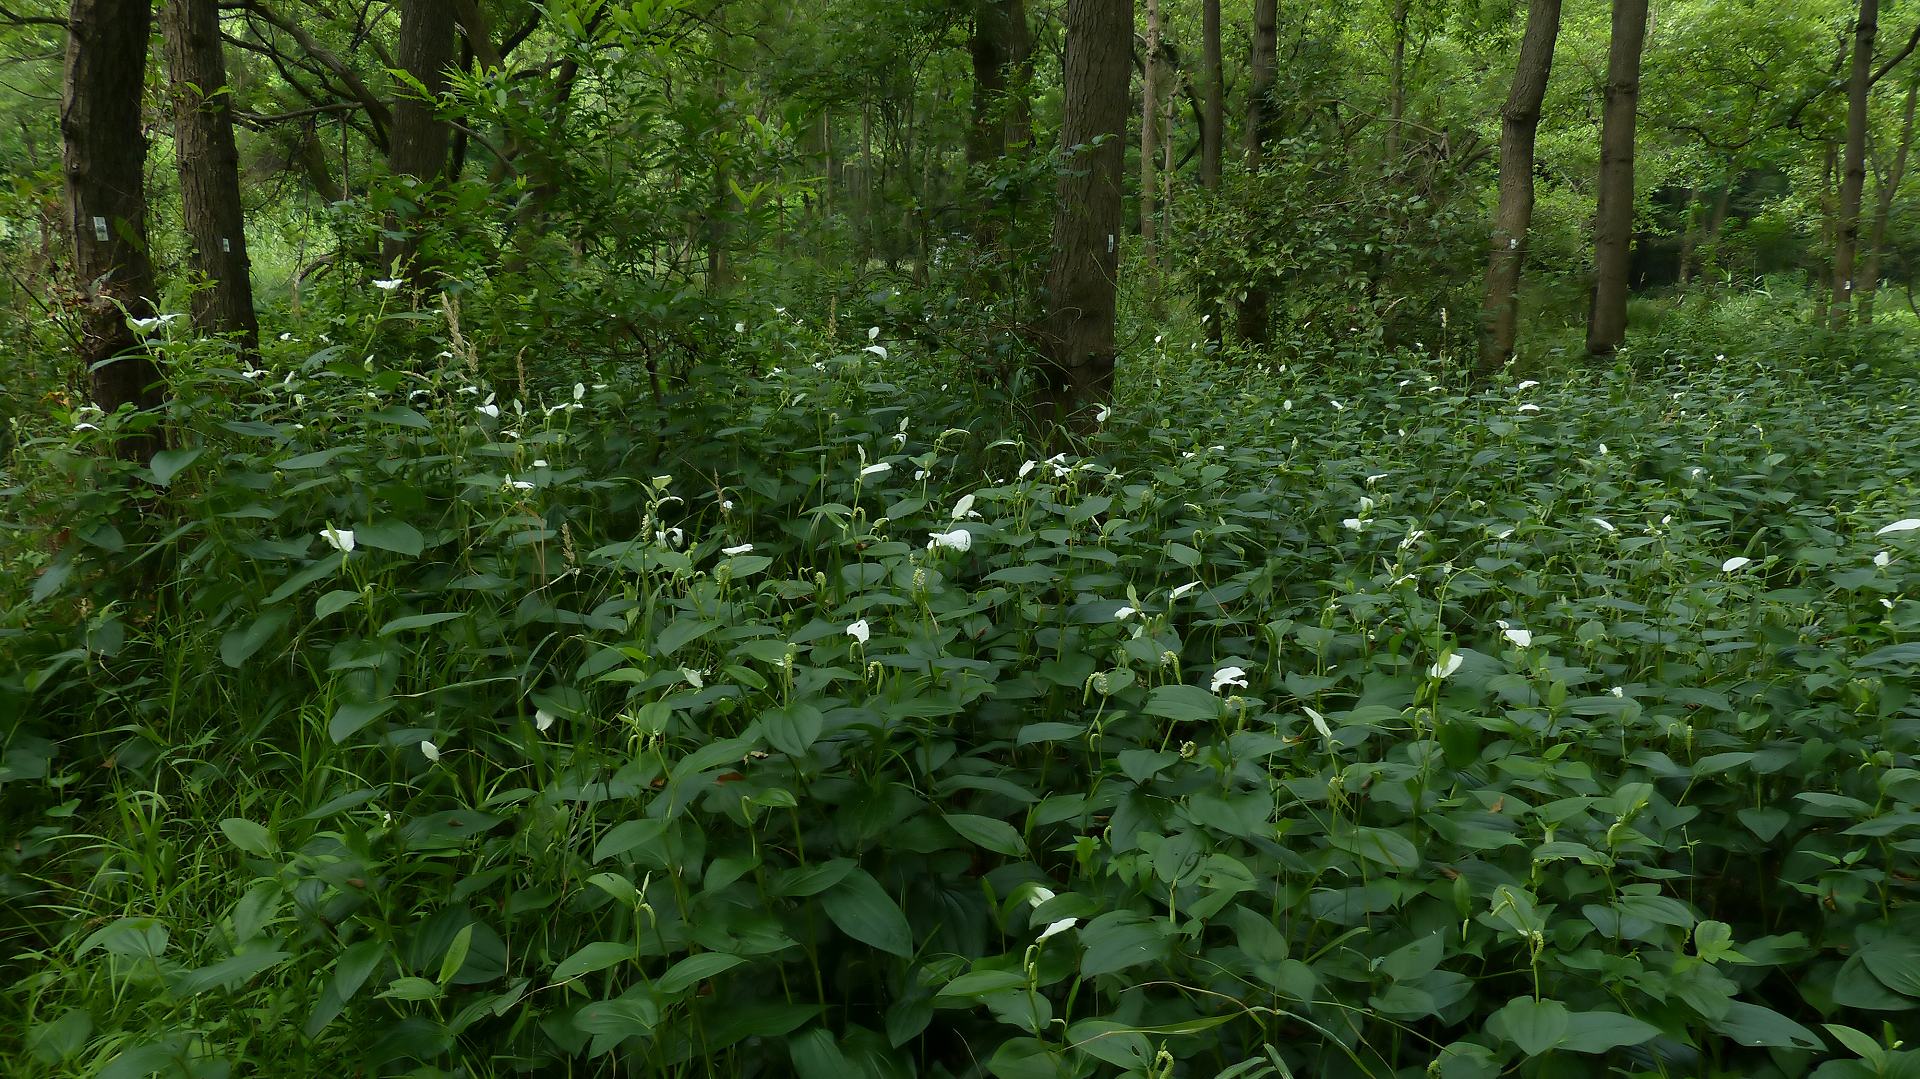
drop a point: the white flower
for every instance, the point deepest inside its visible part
(1183, 589)
(859, 631)
(1100, 415)
(1734, 563)
(1413, 537)
(340, 539)
(388, 284)
(1028, 467)
(85, 427)
(878, 350)
(876, 469)
(959, 540)
(963, 508)
(739, 327)
(919, 474)
(539, 462)
(1605, 525)
(522, 485)
(1505, 533)
(1337, 406)
(1376, 478)
(1529, 384)
(873, 333)
(726, 505)
(579, 391)
(1354, 524)
(1446, 667)
(1529, 408)
(1319, 723)
(1883, 559)
(286, 337)
(542, 719)
(1054, 928)
(1603, 449)
(1521, 638)
(1125, 613)
(1366, 505)
(1618, 691)
(492, 412)
(1287, 405)
(1229, 676)
(1907, 525)
(742, 548)
(429, 750)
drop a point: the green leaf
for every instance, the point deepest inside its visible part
(627, 836)
(239, 645)
(681, 632)
(599, 955)
(1895, 961)
(1597, 1032)
(227, 973)
(1534, 1025)
(1121, 939)
(1183, 704)
(456, 956)
(1115, 1043)
(419, 621)
(168, 463)
(248, 835)
(624, 1017)
(396, 536)
(864, 911)
(1751, 1024)
(792, 729)
(355, 965)
(353, 715)
(995, 835)
(817, 1056)
(694, 969)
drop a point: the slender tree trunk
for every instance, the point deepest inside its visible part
(1829, 228)
(1213, 84)
(104, 155)
(417, 147)
(1397, 85)
(1149, 138)
(1254, 312)
(209, 172)
(1077, 333)
(1519, 122)
(1853, 183)
(1002, 115)
(1613, 222)
(1716, 225)
(1883, 208)
(1689, 237)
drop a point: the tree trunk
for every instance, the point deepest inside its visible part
(1150, 137)
(417, 147)
(1854, 181)
(1213, 83)
(1002, 116)
(1716, 224)
(1519, 122)
(1883, 208)
(1077, 333)
(1613, 222)
(1397, 85)
(104, 155)
(1829, 231)
(1689, 238)
(1254, 312)
(209, 172)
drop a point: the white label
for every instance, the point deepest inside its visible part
(1109, 241)
(100, 229)
(226, 244)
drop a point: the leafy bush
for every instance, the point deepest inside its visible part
(1345, 725)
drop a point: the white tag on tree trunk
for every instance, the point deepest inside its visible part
(226, 244)
(1109, 243)
(100, 229)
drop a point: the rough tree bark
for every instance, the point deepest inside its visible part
(1519, 121)
(1853, 181)
(1213, 85)
(1397, 84)
(1883, 208)
(1150, 137)
(1253, 314)
(209, 170)
(103, 158)
(1077, 333)
(417, 143)
(1613, 221)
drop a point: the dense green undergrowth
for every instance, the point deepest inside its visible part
(1349, 720)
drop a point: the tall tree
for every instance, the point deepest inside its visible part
(1253, 315)
(1397, 83)
(104, 156)
(1213, 126)
(1149, 134)
(1001, 116)
(1519, 121)
(1853, 180)
(418, 140)
(1883, 206)
(1613, 220)
(1077, 333)
(209, 170)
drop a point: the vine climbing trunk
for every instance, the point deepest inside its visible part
(103, 159)
(1254, 311)
(1613, 220)
(1513, 216)
(1853, 179)
(1883, 208)
(209, 169)
(1076, 335)
(417, 145)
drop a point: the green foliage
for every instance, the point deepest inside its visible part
(1319, 724)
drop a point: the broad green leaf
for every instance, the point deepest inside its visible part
(864, 911)
(1534, 1025)
(589, 958)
